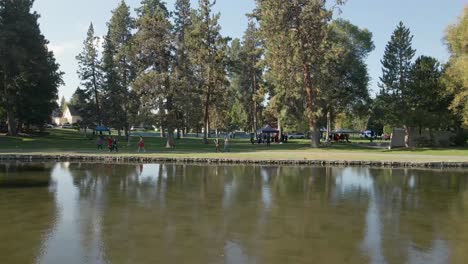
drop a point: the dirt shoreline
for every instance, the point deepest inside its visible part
(152, 159)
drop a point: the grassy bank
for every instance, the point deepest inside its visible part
(58, 141)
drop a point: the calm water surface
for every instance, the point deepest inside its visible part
(164, 213)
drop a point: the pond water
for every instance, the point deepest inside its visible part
(166, 213)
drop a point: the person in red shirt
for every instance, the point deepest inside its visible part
(110, 143)
(141, 145)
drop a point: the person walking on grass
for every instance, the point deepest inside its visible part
(226, 144)
(115, 145)
(110, 143)
(100, 143)
(217, 145)
(141, 145)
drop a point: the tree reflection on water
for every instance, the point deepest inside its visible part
(179, 213)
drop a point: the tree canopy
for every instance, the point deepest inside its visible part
(456, 70)
(29, 74)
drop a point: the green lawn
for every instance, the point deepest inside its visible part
(69, 141)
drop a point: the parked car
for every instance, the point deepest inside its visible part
(296, 136)
(137, 128)
(49, 126)
(366, 134)
(67, 126)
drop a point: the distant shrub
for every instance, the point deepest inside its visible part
(423, 142)
(460, 139)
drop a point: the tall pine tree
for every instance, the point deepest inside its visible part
(396, 71)
(155, 82)
(118, 68)
(90, 71)
(249, 74)
(295, 34)
(29, 74)
(188, 111)
(209, 58)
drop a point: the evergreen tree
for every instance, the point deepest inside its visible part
(238, 115)
(247, 74)
(113, 94)
(37, 98)
(83, 103)
(90, 71)
(118, 68)
(295, 34)
(397, 64)
(63, 105)
(155, 82)
(209, 59)
(29, 73)
(428, 105)
(188, 110)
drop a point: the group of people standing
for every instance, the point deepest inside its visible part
(112, 144)
(218, 145)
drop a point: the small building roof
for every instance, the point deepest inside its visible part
(73, 110)
(268, 130)
(345, 131)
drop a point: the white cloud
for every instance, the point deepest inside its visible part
(61, 49)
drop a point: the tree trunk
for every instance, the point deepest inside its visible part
(161, 128)
(206, 119)
(178, 133)
(279, 129)
(254, 92)
(12, 125)
(127, 135)
(96, 95)
(328, 125)
(170, 138)
(409, 139)
(314, 134)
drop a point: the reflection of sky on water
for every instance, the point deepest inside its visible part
(70, 237)
(379, 198)
(350, 181)
(234, 254)
(150, 173)
(439, 253)
(372, 243)
(354, 180)
(412, 182)
(228, 193)
(266, 196)
(266, 190)
(153, 183)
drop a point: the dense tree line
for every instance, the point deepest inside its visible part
(417, 94)
(296, 66)
(29, 74)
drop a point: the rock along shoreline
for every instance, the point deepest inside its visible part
(150, 159)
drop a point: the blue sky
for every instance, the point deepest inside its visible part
(65, 22)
